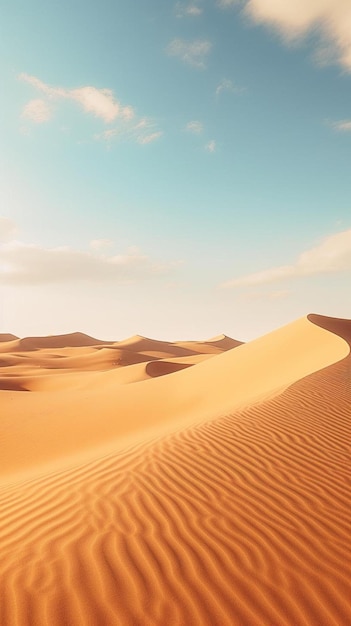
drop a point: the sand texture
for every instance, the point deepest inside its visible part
(148, 483)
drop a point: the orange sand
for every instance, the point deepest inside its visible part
(194, 483)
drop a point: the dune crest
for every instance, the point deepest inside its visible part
(224, 342)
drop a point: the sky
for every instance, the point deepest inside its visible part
(174, 169)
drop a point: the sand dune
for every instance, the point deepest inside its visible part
(53, 341)
(7, 337)
(162, 349)
(228, 504)
(211, 388)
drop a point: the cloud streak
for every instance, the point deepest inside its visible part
(150, 138)
(333, 254)
(192, 53)
(142, 131)
(30, 264)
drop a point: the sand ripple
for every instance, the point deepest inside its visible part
(240, 521)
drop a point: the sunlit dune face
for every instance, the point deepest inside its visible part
(128, 466)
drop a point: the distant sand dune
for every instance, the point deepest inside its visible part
(54, 341)
(239, 520)
(7, 337)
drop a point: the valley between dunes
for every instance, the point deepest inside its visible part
(149, 483)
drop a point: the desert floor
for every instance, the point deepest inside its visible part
(147, 483)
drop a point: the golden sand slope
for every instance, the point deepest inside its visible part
(241, 520)
(53, 427)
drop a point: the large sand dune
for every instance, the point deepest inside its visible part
(205, 484)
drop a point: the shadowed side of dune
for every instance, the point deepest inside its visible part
(338, 326)
(163, 368)
(12, 384)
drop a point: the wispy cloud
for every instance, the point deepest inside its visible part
(211, 146)
(101, 103)
(37, 111)
(143, 131)
(342, 126)
(228, 85)
(226, 4)
(333, 254)
(193, 53)
(329, 19)
(30, 264)
(195, 127)
(150, 138)
(188, 9)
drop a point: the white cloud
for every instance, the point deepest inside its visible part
(342, 125)
(191, 52)
(211, 146)
(99, 102)
(28, 264)
(183, 9)
(195, 127)
(329, 19)
(228, 85)
(37, 111)
(7, 228)
(333, 254)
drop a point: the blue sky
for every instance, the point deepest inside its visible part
(174, 169)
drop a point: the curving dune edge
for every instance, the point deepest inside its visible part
(197, 483)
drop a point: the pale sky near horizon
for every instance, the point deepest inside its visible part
(174, 169)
